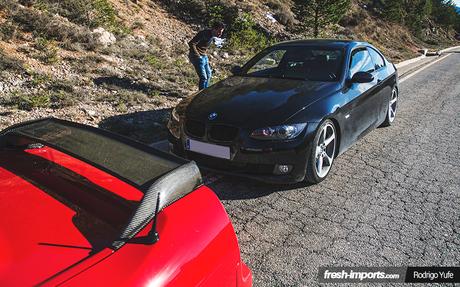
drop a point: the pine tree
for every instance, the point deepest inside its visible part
(427, 8)
(417, 13)
(317, 14)
(394, 10)
(444, 13)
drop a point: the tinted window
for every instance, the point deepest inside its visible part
(297, 62)
(377, 58)
(270, 61)
(361, 62)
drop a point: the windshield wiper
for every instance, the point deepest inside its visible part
(288, 78)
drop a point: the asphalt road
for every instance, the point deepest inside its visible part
(393, 199)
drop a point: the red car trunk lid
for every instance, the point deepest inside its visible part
(44, 229)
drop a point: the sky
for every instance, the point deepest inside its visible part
(457, 2)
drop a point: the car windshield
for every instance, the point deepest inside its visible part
(297, 62)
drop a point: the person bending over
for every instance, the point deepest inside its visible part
(198, 52)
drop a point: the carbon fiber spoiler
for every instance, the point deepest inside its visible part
(154, 172)
(124, 158)
(165, 191)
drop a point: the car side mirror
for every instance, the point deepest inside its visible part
(362, 77)
(236, 70)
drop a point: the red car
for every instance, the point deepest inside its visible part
(81, 206)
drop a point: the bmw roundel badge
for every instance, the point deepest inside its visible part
(212, 116)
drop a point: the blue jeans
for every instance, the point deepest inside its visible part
(203, 70)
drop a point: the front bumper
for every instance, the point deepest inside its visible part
(254, 159)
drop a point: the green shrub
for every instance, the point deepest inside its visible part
(89, 13)
(49, 27)
(220, 11)
(59, 85)
(47, 99)
(61, 99)
(106, 16)
(154, 94)
(180, 63)
(48, 51)
(121, 107)
(215, 12)
(154, 61)
(243, 22)
(8, 31)
(244, 36)
(186, 9)
(39, 79)
(41, 5)
(28, 102)
(41, 43)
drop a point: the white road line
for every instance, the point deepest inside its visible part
(423, 68)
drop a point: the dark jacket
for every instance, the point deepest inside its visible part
(200, 43)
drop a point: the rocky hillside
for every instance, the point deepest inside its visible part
(122, 64)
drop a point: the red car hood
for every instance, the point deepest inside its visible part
(42, 229)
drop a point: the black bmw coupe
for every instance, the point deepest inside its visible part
(289, 112)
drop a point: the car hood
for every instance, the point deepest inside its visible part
(253, 102)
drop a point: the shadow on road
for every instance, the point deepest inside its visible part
(238, 188)
(146, 126)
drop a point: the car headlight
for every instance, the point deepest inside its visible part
(283, 132)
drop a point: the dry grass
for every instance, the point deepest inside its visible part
(9, 63)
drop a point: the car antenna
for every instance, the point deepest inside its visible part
(153, 234)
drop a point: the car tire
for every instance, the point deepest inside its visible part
(392, 108)
(322, 153)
